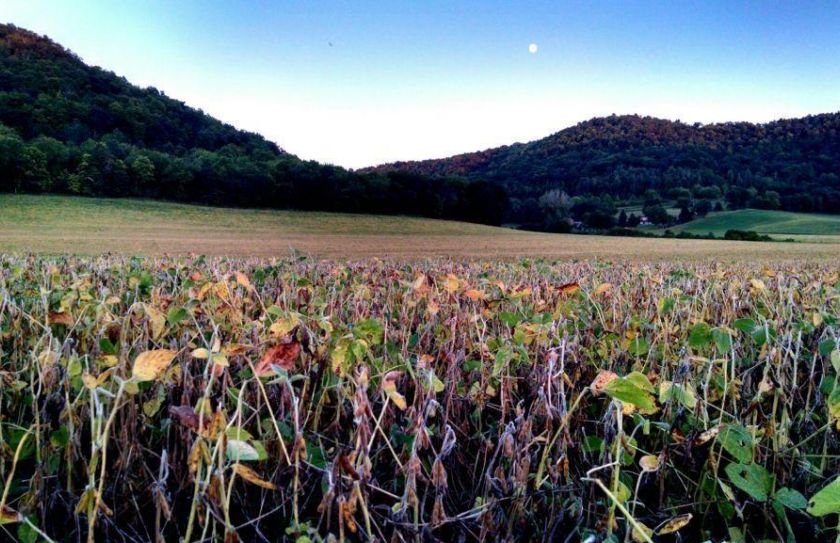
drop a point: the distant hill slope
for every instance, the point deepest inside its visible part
(764, 221)
(624, 156)
(46, 90)
(66, 127)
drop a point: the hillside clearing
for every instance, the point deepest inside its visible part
(775, 223)
(60, 224)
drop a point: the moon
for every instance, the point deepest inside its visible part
(532, 48)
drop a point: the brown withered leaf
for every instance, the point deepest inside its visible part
(707, 435)
(186, 416)
(347, 465)
(283, 356)
(60, 318)
(251, 476)
(569, 288)
(602, 288)
(601, 381)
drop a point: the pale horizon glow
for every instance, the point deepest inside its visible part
(373, 82)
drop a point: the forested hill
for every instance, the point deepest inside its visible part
(66, 127)
(625, 156)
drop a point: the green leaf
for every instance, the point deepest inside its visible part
(700, 335)
(826, 346)
(723, 340)
(744, 325)
(508, 318)
(737, 441)
(640, 380)
(370, 330)
(665, 305)
(833, 403)
(752, 479)
(106, 346)
(826, 501)
(316, 456)
(625, 390)
(25, 533)
(60, 437)
(791, 498)
(763, 334)
(241, 451)
(680, 392)
(176, 315)
(639, 346)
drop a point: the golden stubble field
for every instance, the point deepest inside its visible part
(55, 225)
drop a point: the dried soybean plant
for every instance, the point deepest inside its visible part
(205, 399)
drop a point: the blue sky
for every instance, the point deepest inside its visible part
(360, 82)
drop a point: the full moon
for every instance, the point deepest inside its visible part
(532, 48)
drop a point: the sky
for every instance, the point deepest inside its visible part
(363, 82)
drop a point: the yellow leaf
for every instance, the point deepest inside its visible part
(674, 524)
(642, 534)
(282, 327)
(150, 365)
(220, 360)
(602, 288)
(452, 283)
(201, 354)
(157, 321)
(649, 463)
(89, 381)
(389, 386)
(337, 358)
(817, 319)
(108, 360)
(222, 290)
(9, 515)
(251, 476)
(242, 279)
(757, 284)
(474, 294)
(202, 292)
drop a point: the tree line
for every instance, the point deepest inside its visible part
(69, 128)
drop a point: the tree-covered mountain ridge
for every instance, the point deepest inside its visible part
(625, 156)
(66, 127)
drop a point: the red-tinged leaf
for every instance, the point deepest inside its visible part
(283, 356)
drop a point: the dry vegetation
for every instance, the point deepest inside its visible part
(57, 225)
(254, 400)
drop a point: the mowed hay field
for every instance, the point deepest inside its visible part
(59, 224)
